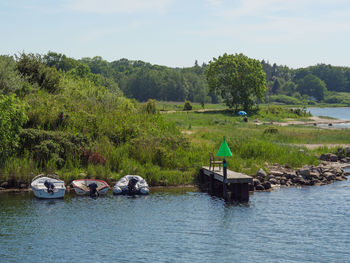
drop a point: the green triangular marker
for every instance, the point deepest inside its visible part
(224, 150)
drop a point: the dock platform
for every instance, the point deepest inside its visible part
(237, 184)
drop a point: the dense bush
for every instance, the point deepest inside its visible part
(12, 117)
(187, 105)
(285, 99)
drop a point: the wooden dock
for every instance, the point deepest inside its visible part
(236, 184)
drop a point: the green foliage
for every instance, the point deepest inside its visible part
(32, 68)
(284, 99)
(12, 117)
(238, 79)
(10, 80)
(50, 145)
(150, 107)
(312, 86)
(271, 130)
(187, 105)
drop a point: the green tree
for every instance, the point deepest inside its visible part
(238, 79)
(10, 80)
(312, 86)
(12, 117)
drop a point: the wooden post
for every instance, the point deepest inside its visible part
(224, 164)
(211, 183)
(244, 192)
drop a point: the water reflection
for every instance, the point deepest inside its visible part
(179, 226)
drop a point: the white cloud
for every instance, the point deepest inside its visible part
(118, 6)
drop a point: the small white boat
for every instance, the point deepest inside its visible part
(131, 185)
(48, 186)
(92, 187)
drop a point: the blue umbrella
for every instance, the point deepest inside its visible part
(242, 113)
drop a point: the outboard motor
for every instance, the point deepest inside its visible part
(132, 186)
(93, 190)
(49, 186)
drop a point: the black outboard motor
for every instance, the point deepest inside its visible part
(50, 187)
(132, 186)
(93, 190)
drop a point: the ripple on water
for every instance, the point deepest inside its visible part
(288, 225)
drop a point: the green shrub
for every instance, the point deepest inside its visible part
(285, 99)
(187, 105)
(271, 130)
(150, 107)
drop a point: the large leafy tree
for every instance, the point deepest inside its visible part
(312, 86)
(238, 79)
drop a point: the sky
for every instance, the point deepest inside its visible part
(175, 33)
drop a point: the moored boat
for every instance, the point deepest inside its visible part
(48, 186)
(92, 187)
(131, 185)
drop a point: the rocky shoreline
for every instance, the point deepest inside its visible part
(281, 176)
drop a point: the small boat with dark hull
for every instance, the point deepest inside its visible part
(92, 187)
(131, 185)
(48, 187)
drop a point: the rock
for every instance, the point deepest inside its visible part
(261, 173)
(298, 179)
(276, 173)
(267, 185)
(22, 186)
(256, 182)
(283, 182)
(339, 178)
(270, 176)
(304, 172)
(314, 174)
(290, 175)
(273, 181)
(260, 187)
(2, 188)
(347, 151)
(323, 157)
(333, 158)
(4, 184)
(329, 176)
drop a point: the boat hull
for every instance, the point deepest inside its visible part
(41, 191)
(43, 194)
(81, 186)
(122, 186)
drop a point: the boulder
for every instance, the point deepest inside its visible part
(261, 173)
(2, 188)
(347, 151)
(256, 182)
(304, 172)
(333, 158)
(260, 187)
(329, 176)
(290, 175)
(267, 185)
(283, 182)
(340, 178)
(273, 181)
(4, 185)
(270, 176)
(276, 173)
(298, 180)
(323, 157)
(22, 186)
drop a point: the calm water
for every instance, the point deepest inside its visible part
(342, 113)
(310, 224)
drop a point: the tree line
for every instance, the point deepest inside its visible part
(142, 81)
